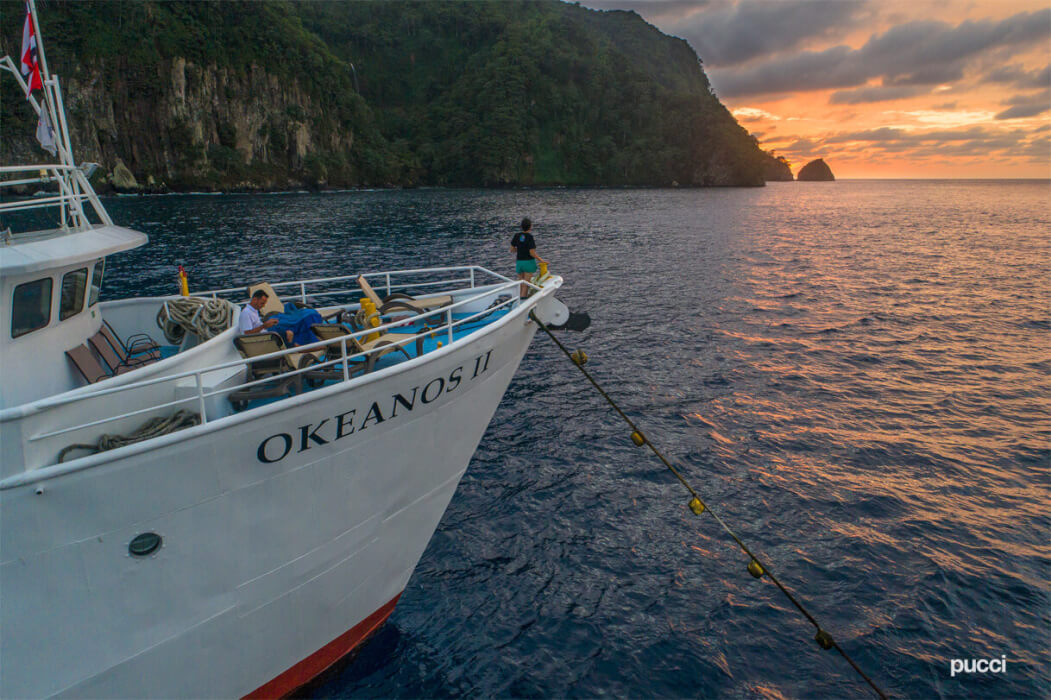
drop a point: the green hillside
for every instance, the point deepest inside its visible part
(252, 95)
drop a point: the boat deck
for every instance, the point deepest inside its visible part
(433, 338)
(209, 380)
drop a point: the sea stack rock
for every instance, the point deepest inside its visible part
(816, 170)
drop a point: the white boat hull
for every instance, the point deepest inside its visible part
(283, 529)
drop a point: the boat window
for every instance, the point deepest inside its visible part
(31, 307)
(96, 282)
(72, 300)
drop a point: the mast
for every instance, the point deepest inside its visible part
(73, 185)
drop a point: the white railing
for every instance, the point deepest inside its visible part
(201, 395)
(74, 191)
(390, 283)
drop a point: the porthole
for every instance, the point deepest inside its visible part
(145, 544)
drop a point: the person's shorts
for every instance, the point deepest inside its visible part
(525, 266)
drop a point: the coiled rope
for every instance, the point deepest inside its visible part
(154, 427)
(755, 567)
(206, 318)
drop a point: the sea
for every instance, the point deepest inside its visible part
(853, 375)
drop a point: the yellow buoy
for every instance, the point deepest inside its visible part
(755, 569)
(696, 506)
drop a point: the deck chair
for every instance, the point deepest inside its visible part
(402, 302)
(358, 365)
(116, 356)
(136, 345)
(258, 344)
(89, 367)
(376, 348)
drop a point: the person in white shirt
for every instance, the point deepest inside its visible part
(249, 321)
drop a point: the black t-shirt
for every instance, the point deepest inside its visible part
(524, 243)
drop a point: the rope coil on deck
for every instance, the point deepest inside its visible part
(206, 318)
(755, 567)
(154, 427)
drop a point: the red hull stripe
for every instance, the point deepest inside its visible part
(312, 666)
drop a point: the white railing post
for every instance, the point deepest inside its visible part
(346, 362)
(200, 398)
(303, 292)
(449, 320)
(388, 284)
(472, 278)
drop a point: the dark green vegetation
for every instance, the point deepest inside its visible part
(777, 168)
(250, 95)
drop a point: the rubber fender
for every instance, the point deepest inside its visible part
(552, 312)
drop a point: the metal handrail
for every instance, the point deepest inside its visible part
(35, 168)
(214, 293)
(42, 202)
(197, 374)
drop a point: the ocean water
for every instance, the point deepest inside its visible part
(855, 375)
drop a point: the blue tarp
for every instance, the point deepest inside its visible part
(299, 322)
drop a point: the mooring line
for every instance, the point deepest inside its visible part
(755, 567)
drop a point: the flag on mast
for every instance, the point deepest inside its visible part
(30, 64)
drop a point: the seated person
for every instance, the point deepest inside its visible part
(249, 322)
(293, 323)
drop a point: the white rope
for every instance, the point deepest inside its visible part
(154, 427)
(206, 318)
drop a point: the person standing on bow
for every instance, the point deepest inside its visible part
(524, 247)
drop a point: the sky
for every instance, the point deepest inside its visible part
(878, 88)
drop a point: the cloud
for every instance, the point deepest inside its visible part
(978, 141)
(896, 135)
(877, 93)
(1038, 150)
(948, 119)
(734, 33)
(1015, 74)
(802, 145)
(753, 114)
(1022, 106)
(921, 52)
(726, 33)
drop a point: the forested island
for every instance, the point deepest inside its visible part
(234, 95)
